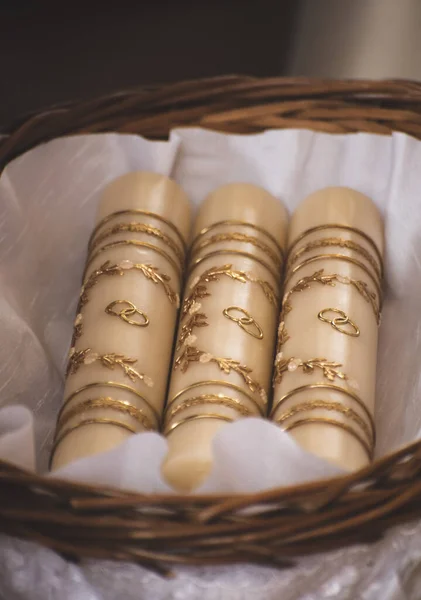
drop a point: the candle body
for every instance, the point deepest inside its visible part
(124, 329)
(325, 366)
(225, 343)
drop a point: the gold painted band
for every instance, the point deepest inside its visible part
(109, 384)
(325, 386)
(348, 259)
(177, 424)
(239, 238)
(138, 244)
(137, 211)
(122, 406)
(340, 243)
(330, 406)
(141, 228)
(236, 223)
(333, 423)
(213, 399)
(85, 423)
(227, 384)
(338, 226)
(227, 251)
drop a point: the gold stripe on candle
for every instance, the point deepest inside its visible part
(337, 226)
(236, 223)
(138, 228)
(137, 211)
(326, 405)
(332, 422)
(122, 406)
(137, 244)
(218, 399)
(222, 383)
(227, 251)
(173, 426)
(110, 384)
(324, 386)
(348, 259)
(332, 242)
(237, 237)
(99, 421)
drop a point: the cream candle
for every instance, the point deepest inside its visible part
(325, 367)
(226, 337)
(125, 324)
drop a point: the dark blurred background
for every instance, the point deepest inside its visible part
(52, 52)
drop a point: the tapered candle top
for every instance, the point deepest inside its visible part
(338, 206)
(149, 192)
(246, 203)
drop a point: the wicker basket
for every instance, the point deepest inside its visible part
(158, 531)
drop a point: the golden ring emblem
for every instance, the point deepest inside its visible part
(341, 323)
(126, 313)
(246, 321)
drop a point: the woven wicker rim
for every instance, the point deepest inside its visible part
(158, 531)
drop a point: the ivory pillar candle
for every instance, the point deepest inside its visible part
(325, 367)
(126, 319)
(225, 344)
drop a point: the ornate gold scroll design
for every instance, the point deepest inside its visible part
(331, 370)
(318, 277)
(335, 242)
(109, 269)
(199, 287)
(138, 228)
(238, 237)
(191, 355)
(86, 357)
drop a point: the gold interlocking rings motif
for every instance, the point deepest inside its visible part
(246, 322)
(126, 313)
(339, 323)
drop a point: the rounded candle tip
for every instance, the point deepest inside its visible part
(244, 202)
(150, 192)
(186, 473)
(338, 206)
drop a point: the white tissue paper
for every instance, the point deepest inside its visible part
(48, 202)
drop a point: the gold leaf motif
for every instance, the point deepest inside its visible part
(149, 271)
(191, 354)
(199, 289)
(135, 227)
(330, 369)
(239, 237)
(339, 242)
(331, 280)
(110, 361)
(76, 359)
(213, 399)
(283, 336)
(196, 320)
(77, 332)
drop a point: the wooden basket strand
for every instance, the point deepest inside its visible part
(159, 531)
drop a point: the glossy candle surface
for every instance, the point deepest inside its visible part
(126, 319)
(225, 344)
(325, 368)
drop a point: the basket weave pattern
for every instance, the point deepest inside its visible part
(158, 531)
